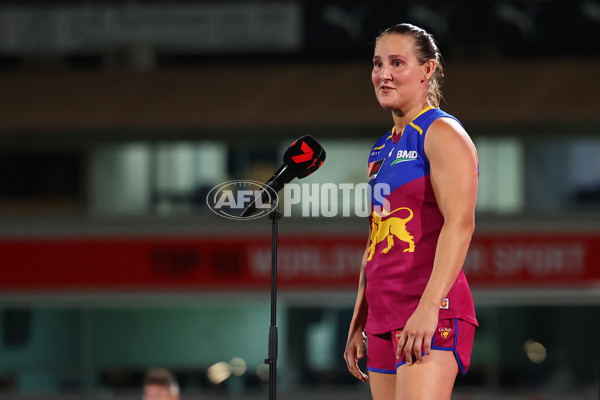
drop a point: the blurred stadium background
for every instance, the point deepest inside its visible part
(117, 117)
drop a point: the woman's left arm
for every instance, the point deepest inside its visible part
(454, 175)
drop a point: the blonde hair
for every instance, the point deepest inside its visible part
(425, 49)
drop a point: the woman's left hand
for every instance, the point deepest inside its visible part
(416, 336)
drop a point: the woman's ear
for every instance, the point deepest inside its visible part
(428, 69)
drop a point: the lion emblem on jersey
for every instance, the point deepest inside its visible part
(388, 229)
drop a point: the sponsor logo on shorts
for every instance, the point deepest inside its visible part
(445, 332)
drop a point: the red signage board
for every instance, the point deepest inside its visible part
(534, 260)
(242, 263)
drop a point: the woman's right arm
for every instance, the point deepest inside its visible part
(356, 346)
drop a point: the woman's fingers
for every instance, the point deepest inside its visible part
(427, 345)
(401, 340)
(408, 349)
(415, 345)
(352, 355)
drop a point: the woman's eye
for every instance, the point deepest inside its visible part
(397, 63)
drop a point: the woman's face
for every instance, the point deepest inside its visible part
(397, 77)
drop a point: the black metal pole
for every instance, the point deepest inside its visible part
(275, 216)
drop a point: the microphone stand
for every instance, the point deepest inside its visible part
(274, 216)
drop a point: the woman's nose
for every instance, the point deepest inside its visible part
(384, 74)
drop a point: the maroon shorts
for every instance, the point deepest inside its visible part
(453, 335)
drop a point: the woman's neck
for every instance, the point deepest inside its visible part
(403, 118)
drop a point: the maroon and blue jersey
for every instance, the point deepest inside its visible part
(405, 225)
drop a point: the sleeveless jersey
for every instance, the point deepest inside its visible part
(405, 225)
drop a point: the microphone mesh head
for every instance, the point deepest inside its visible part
(315, 165)
(304, 156)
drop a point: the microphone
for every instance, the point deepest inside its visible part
(301, 159)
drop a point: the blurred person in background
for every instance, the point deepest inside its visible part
(160, 384)
(414, 314)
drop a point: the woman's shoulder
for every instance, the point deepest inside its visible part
(446, 132)
(446, 124)
(436, 114)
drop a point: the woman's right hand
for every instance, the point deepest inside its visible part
(356, 350)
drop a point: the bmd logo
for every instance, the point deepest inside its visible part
(230, 198)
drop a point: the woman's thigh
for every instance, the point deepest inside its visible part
(433, 378)
(383, 386)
